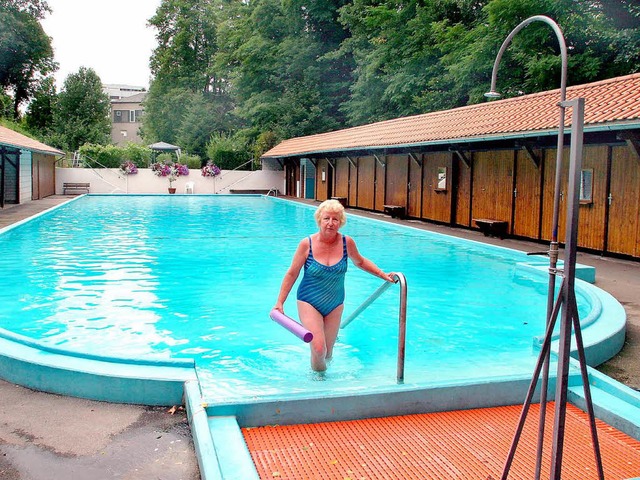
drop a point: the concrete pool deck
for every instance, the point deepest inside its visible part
(75, 438)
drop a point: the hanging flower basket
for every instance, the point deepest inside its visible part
(210, 170)
(128, 168)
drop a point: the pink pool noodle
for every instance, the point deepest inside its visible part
(291, 325)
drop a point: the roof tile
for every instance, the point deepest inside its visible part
(15, 139)
(607, 101)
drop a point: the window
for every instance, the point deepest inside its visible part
(586, 186)
(442, 179)
(117, 116)
(134, 115)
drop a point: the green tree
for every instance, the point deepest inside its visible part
(226, 151)
(164, 110)
(286, 77)
(82, 113)
(186, 44)
(40, 112)
(205, 115)
(26, 55)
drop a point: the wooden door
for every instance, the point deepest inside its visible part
(549, 194)
(528, 195)
(414, 208)
(437, 186)
(624, 203)
(396, 186)
(493, 185)
(366, 182)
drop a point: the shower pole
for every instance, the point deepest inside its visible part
(567, 293)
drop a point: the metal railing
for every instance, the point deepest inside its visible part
(402, 318)
(79, 160)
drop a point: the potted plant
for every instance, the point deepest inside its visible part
(170, 170)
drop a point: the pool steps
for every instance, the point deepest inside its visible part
(585, 273)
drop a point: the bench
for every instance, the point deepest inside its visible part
(488, 226)
(396, 211)
(255, 191)
(75, 188)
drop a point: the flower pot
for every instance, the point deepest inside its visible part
(172, 189)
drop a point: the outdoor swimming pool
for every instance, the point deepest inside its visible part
(195, 277)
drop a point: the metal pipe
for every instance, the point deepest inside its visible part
(402, 318)
(402, 326)
(553, 247)
(372, 298)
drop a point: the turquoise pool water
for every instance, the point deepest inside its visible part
(196, 276)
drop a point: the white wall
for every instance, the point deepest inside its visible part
(110, 180)
(24, 187)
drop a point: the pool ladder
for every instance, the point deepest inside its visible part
(402, 318)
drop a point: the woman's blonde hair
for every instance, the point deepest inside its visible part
(331, 206)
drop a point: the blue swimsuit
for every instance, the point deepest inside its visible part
(322, 286)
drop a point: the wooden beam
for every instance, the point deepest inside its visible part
(418, 160)
(462, 155)
(633, 142)
(331, 162)
(535, 158)
(353, 164)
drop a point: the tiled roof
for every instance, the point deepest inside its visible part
(15, 139)
(609, 102)
(137, 98)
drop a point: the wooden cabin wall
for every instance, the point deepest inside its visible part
(436, 204)
(510, 185)
(42, 176)
(322, 187)
(493, 185)
(379, 183)
(414, 206)
(341, 182)
(397, 181)
(353, 182)
(591, 219)
(624, 210)
(548, 194)
(366, 182)
(463, 176)
(528, 194)
(292, 175)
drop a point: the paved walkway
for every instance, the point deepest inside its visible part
(51, 437)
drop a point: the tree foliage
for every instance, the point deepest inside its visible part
(26, 55)
(82, 113)
(259, 71)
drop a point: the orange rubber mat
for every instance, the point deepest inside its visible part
(465, 444)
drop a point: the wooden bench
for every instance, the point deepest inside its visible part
(255, 191)
(488, 226)
(75, 188)
(396, 211)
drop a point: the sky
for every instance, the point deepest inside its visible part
(110, 36)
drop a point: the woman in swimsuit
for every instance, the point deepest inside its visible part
(321, 292)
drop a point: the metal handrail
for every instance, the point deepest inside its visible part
(78, 159)
(402, 318)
